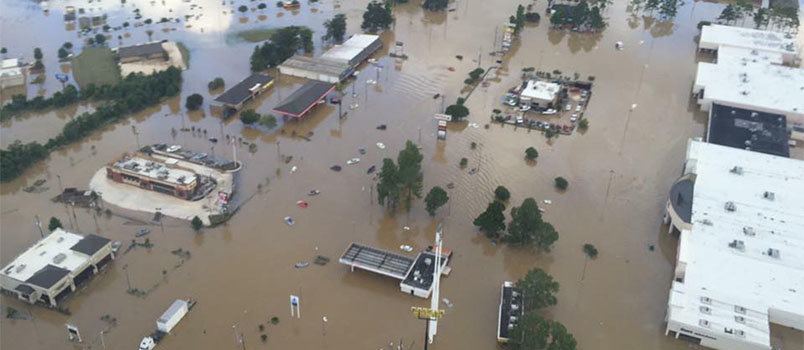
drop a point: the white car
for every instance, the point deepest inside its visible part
(568, 107)
(584, 93)
(524, 108)
(578, 108)
(574, 117)
(519, 119)
(549, 111)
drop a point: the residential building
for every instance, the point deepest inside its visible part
(11, 73)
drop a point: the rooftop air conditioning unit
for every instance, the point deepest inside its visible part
(703, 323)
(749, 231)
(736, 170)
(730, 206)
(739, 319)
(769, 195)
(774, 253)
(739, 333)
(739, 309)
(737, 244)
(706, 300)
(706, 310)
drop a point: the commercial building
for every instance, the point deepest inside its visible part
(142, 52)
(749, 73)
(304, 99)
(155, 175)
(539, 93)
(51, 269)
(245, 90)
(715, 36)
(749, 130)
(11, 73)
(335, 65)
(740, 260)
(512, 308)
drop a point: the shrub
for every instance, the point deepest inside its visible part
(196, 222)
(249, 117)
(54, 224)
(100, 39)
(561, 183)
(590, 250)
(274, 320)
(583, 124)
(464, 162)
(216, 83)
(194, 102)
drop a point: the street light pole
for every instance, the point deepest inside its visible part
(128, 280)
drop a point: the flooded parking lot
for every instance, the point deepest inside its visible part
(242, 272)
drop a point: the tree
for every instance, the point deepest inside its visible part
(761, 18)
(67, 45)
(54, 224)
(410, 173)
(583, 124)
(336, 27)
(3, 51)
(150, 33)
(435, 5)
(669, 8)
(216, 83)
(197, 223)
(377, 16)
(492, 220)
(501, 193)
(388, 187)
(561, 183)
(269, 121)
(595, 19)
(38, 53)
(284, 43)
(63, 53)
(242, 8)
(436, 198)
(590, 250)
(262, 6)
(249, 116)
(458, 111)
(527, 227)
(534, 332)
(531, 153)
(540, 289)
(38, 65)
(100, 39)
(729, 13)
(194, 102)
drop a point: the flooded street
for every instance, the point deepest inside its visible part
(242, 272)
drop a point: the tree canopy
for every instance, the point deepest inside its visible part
(540, 289)
(37, 53)
(458, 111)
(216, 83)
(194, 102)
(436, 198)
(501, 193)
(561, 183)
(435, 5)
(249, 116)
(336, 27)
(402, 181)
(377, 16)
(269, 121)
(388, 188)
(531, 153)
(54, 224)
(491, 221)
(284, 43)
(196, 223)
(533, 332)
(527, 227)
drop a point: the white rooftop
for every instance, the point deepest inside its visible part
(716, 35)
(541, 90)
(54, 249)
(751, 55)
(351, 47)
(155, 169)
(741, 82)
(10, 63)
(727, 255)
(10, 67)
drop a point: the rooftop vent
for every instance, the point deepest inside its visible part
(728, 330)
(19, 268)
(769, 195)
(739, 319)
(706, 300)
(730, 206)
(706, 310)
(739, 333)
(739, 309)
(774, 253)
(707, 222)
(737, 244)
(59, 258)
(749, 231)
(703, 323)
(736, 170)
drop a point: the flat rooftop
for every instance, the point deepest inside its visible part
(717, 35)
(155, 169)
(317, 64)
(304, 98)
(351, 48)
(52, 257)
(421, 274)
(540, 90)
(750, 130)
(511, 305)
(743, 259)
(244, 89)
(739, 82)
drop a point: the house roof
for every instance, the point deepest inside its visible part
(140, 50)
(242, 90)
(303, 98)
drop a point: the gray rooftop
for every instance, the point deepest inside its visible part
(242, 91)
(140, 50)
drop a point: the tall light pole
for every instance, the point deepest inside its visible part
(434, 298)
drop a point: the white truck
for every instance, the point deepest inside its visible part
(167, 322)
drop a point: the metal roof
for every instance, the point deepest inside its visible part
(140, 50)
(90, 244)
(47, 276)
(242, 90)
(301, 100)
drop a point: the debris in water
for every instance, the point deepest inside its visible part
(313, 193)
(474, 125)
(380, 145)
(301, 264)
(406, 228)
(353, 161)
(289, 221)
(651, 247)
(335, 168)
(371, 169)
(619, 45)
(382, 127)
(460, 57)
(447, 302)
(361, 150)
(321, 260)
(406, 248)
(293, 169)
(547, 201)
(451, 185)
(301, 204)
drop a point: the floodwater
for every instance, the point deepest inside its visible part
(242, 272)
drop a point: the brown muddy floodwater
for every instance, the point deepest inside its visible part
(242, 272)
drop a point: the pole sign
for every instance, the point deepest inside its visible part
(427, 313)
(445, 117)
(294, 307)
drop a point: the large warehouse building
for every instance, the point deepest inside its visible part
(51, 269)
(335, 65)
(740, 259)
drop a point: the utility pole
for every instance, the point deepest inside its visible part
(38, 224)
(128, 280)
(59, 178)
(103, 341)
